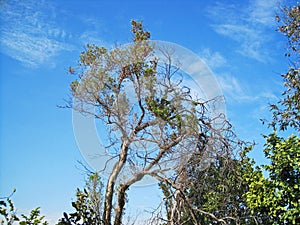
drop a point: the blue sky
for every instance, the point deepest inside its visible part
(39, 40)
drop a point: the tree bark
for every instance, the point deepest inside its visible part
(108, 202)
(121, 204)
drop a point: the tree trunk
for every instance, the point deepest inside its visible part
(108, 202)
(121, 204)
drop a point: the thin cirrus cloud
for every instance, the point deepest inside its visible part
(230, 86)
(29, 35)
(212, 59)
(93, 37)
(246, 26)
(239, 93)
(234, 90)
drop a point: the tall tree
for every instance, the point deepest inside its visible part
(162, 127)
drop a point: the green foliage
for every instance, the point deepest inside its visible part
(164, 109)
(278, 194)
(88, 204)
(83, 214)
(102, 75)
(138, 31)
(218, 190)
(92, 53)
(34, 218)
(7, 210)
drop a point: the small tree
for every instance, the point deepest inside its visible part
(88, 204)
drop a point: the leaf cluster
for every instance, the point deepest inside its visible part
(88, 204)
(8, 212)
(277, 195)
(286, 113)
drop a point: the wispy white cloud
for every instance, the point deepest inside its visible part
(247, 26)
(93, 33)
(262, 12)
(29, 35)
(212, 59)
(92, 37)
(235, 91)
(30, 50)
(232, 88)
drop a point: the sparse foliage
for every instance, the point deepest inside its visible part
(287, 112)
(8, 212)
(158, 131)
(88, 204)
(34, 218)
